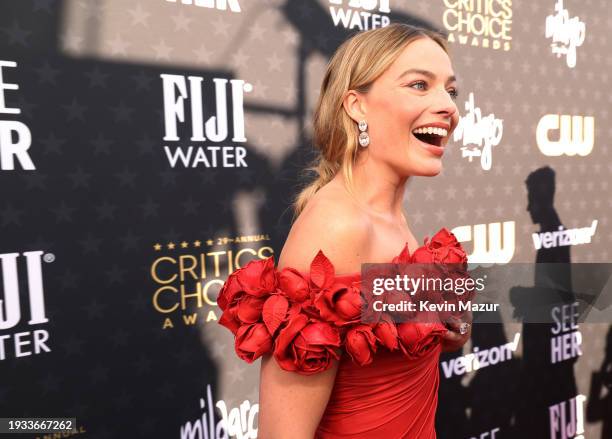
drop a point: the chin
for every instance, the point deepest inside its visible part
(428, 168)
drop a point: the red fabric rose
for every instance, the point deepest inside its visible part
(244, 293)
(252, 341)
(418, 338)
(361, 344)
(277, 311)
(340, 304)
(386, 333)
(443, 248)
(306, 347)
(293, 285)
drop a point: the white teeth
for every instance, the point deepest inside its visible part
(431, 130)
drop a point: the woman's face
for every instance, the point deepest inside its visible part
(417, 90)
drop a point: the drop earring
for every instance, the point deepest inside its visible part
(364, 138)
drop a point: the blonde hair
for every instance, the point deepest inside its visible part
(355, 65)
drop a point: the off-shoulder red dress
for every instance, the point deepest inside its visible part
(387, 381)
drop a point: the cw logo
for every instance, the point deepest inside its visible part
(494, 243)
(576, 135)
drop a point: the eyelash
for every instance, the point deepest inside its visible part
(454, 92)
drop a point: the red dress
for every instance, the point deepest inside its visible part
(387, 380)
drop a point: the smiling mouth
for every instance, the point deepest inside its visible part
(432, 139)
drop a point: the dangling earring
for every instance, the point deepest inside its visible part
(364, 138)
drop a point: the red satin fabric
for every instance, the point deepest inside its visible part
(391, 398)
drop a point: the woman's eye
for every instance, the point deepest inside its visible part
(453, 92)
(418, 83)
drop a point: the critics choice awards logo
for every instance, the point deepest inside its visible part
(359, 14)
(22, 305)
(15, 136)
(189, 147)
(189, 274)
(479, 23)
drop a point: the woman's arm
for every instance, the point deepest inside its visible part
(291, 405)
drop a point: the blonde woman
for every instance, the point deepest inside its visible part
(385, 113)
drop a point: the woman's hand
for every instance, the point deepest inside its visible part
(453, 339)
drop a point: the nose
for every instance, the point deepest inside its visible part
(445, 105)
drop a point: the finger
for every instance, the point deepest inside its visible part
(454, 323)
(452, 336)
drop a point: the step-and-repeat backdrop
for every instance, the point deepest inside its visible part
(148, 148)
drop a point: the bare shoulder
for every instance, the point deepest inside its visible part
(331, 223)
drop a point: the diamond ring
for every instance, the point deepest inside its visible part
(463, 329)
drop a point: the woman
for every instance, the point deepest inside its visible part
(353, 381)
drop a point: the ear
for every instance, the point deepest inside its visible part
(354, 105)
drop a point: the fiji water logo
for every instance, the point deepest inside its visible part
(221, 5)
(360, 14)
(567, 418)
(567, 33)
(185, 115)
(478, 133)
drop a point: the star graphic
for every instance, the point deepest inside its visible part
(80, 178)
(122, 112)
(142, 80)
(10, 215)
(97, 78)
(274, 62)
(101, 144)
(47, 74)
(126, 177)
(90, 244)
(106, 211)
(130, 241)
(181, 22)
(162, 50)
(171, 246)
(139, 16)
(63, 212)
(203, 54)
(197, 243)
(190, 206)
(118, 46)
(17, 35)
(75, 111)
(157, 247)
(149, 208)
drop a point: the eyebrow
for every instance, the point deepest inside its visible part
(427, 73)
